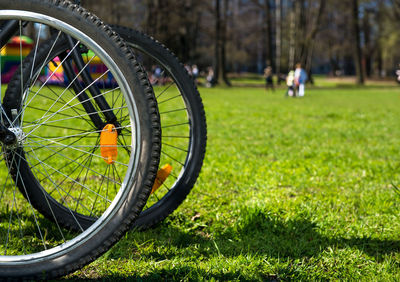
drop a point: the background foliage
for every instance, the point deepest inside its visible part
(321, 34)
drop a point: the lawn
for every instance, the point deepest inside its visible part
(291, 189)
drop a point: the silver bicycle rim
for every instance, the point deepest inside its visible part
(133, 162)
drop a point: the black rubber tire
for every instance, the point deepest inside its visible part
(172, 199)
(100, 239)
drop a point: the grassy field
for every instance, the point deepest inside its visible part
(291, 189)
(254, 80)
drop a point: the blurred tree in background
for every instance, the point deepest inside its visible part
(350, 37)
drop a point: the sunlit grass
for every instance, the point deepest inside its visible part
(290, 189)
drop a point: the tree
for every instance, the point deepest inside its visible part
(357, 47)
(269, 55)
(220, 43)
(327, 35)
(309, 14)
(292, 36)
(368, 44)
(278, 38)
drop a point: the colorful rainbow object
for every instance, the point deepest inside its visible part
(11, 55)
(53, 74)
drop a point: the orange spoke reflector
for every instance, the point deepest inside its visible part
(108, 143)
(162, 175)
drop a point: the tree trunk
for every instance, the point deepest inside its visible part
(357, 48)
(217, 41)
(301, 33)
(368, 51)
(292, 42)
(379, 57)
(220, 44)
(268, 35)
(195, 33)
(278, 38)
(310, 41)
(150, 18)
(308, 65)
(396, 9)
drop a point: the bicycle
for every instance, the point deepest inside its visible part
(35, 127)
(183, 132)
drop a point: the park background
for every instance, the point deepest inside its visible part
(350, 37)
(291, 189)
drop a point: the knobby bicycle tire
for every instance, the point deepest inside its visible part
(65, 255)
(176, 194)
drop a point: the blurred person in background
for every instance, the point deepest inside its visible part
(269, 83)
(300, 78)
(195, 73)
(291, 92)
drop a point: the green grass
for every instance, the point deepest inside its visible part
(291, 189)
(320, 81)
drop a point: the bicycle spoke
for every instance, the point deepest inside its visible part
(77, 95)
(165, 90)
(169, 99)
(51, 139)
(51, 75)
(73, 180)
(172, 158)
(75, 161)
(165, 144)
(98, 191)
(52, 181)
(37, 124)
(50, 208)
(175, 125)
(90, 158)
(18, 178)
(173, 111)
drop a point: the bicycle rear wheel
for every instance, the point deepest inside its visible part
(183, 123)
(59, 150)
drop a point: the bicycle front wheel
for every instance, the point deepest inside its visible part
(59, 148)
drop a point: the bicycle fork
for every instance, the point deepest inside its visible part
(91, 86)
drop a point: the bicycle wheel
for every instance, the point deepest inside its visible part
(58, 150)
(183, 132)
(183, 123)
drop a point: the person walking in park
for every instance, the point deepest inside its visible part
(269, 83)
(291, 92)
(300, 78)
(398, 74)
(210, 79)
(195, 73)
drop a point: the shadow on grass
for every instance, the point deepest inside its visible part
(264, 233)
(257, 232)
(184, 273)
